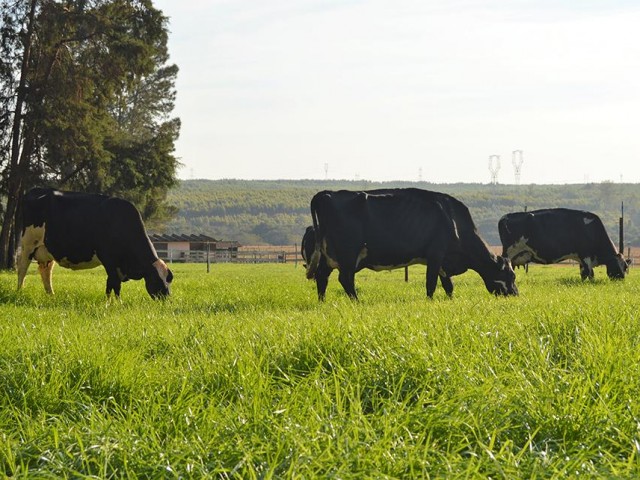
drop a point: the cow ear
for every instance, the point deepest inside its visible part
(503, 262)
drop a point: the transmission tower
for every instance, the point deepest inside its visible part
(326, 171)
(517, 160)
(494, 168)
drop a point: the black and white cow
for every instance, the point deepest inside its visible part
(555, 234)
(392, 228)
(81, 230)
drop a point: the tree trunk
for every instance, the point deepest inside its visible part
(19, 159)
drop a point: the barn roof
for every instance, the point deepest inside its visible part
(173, 237)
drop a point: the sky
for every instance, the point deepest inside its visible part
(429, 90)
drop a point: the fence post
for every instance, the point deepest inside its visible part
(621, 234)
(406, 274)
(295, 254)
(208, 251)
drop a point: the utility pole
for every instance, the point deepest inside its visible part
(517, 160)
(494, 168)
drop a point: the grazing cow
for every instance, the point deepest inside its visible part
(322, 272)
(556, 234)
(392, 228)
(81, 230)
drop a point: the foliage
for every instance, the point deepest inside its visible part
(243, 374)
(87, 96)
(277, 212)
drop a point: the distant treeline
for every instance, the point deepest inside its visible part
(277, 212)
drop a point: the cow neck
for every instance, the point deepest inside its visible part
(480, 258)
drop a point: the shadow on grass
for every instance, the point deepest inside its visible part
(577, 281)
(13, 296)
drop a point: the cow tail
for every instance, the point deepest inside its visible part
(449, 220)
(314, 261)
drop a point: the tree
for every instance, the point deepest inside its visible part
(18, 150)
(142, 144)
(87, 98)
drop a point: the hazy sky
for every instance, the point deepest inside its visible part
(407, 89)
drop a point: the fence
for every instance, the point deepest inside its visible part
(280, 254)
(283, 254)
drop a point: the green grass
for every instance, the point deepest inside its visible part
(243, 374)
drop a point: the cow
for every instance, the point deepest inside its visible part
(555, 234)
(392, 228)
(83, 230)
(322, 272)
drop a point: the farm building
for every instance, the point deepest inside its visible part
(191, 248)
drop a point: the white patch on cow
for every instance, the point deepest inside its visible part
(32, 239)
(361, 256)
(587, 220)
(520, 252)
(42, 255)
(312, 264)
(66, 263)
(331, 262)
(455, 229)
(503, 283)
(568, 256)
(162, 269)
(590, 262)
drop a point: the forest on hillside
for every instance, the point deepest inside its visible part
(261, 212)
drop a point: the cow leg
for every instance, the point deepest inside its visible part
(322, 279)
(432, 279)
(46, 273)
(23, 265)
(585, 270)
(113, 285)
(347, 280)
(447, 284)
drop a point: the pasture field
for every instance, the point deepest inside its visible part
(243, 374)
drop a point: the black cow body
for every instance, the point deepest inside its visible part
(392, 228)
(79, 230)
(556, 234)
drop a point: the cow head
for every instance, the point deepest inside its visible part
(310, 256)
(503, 280)
(617, 267)
(158, 279)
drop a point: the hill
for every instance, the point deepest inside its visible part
(277, 212)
